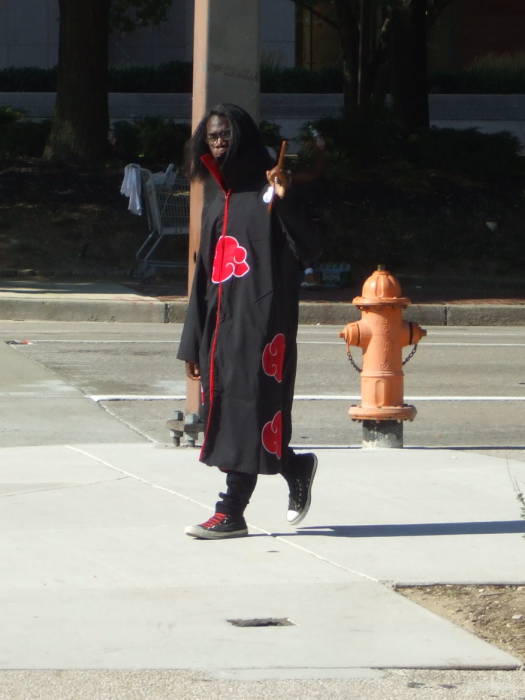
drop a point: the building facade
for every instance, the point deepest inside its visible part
(289, 35)
(26, 43)
(466, 30)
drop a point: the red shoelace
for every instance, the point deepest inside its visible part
(216, 519)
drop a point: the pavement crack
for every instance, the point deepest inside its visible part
(284, 540)
(125, 422)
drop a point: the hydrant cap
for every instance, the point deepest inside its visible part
(381, 288)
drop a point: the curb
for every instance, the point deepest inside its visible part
(485, 315)
(83, 310)
(147, 311)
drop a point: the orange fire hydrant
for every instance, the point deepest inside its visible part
(381, 334)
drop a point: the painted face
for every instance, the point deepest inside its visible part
(218, 136)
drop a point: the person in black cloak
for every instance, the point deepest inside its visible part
(239, 336)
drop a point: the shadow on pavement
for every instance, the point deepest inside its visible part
(496, 527)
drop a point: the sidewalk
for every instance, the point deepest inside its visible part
(109, 301)
(98, 573)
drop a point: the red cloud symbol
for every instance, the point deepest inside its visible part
(273, 357)
(229, 261)
(272, 435)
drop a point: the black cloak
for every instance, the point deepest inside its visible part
(241, 323)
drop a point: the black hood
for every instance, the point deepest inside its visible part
(244, 166)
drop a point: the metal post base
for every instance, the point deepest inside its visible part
(185, 429)
(382, 433)
(192, 428)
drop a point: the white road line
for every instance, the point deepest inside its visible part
(339, 343)
(423, 344)
(484, 345)
(338, 397)
(298, 397)
(136, 397)
(146, 341)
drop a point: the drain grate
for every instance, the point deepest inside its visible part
(261, 622)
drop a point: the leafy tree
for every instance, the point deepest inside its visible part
(383, 49)
(80, 125)
(127, 15)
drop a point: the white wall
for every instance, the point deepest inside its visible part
(29, 35)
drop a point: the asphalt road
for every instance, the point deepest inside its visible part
(468, 384)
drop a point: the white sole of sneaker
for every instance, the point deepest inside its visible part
(295, 518)
(203, 534)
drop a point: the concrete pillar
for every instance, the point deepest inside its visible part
(226, 55)
(225, 69)
(382, 433)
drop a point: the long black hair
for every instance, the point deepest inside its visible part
(246, 160)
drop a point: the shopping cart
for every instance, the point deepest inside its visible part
(166, 198)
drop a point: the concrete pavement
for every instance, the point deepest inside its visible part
(109, 301)
(98, 573)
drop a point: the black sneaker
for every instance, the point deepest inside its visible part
(218, 527)
(300, 485)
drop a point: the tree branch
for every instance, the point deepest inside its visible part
(316, 13)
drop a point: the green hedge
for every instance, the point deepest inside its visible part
(173, 77)
(151, 139)
(488, 75)
(21, 138)
(491, 74)
(485, 157)
(168, 77)
(277, 79)
(420, 201)
(28, 79)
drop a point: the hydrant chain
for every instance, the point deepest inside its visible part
(410, 354)
(352, 361)
(359, 369)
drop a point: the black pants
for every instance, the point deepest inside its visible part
(240, 487)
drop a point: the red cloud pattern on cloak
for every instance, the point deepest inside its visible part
(229, 260)
(273, 357)
(272, 435)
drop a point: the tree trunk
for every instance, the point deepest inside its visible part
(347, 16)
(408, 55)
(366, 30)
(80, 126)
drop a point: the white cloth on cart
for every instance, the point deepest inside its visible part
(132, 187)
(132, 184)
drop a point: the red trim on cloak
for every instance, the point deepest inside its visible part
(211, 164)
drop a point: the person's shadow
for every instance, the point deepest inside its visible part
(495, 527)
